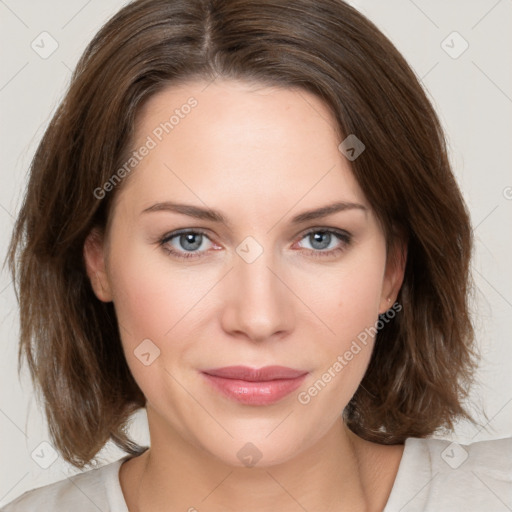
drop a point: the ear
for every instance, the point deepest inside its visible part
(393, 275)
(94, 257)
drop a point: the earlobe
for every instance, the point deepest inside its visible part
(94, 258)
(394, 276)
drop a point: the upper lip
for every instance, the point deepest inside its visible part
(255, 374)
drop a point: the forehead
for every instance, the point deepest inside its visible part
(239, 144)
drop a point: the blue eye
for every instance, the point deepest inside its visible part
(321, 239)
(188, 243)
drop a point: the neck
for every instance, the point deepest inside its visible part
(335, 474)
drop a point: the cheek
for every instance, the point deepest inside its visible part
(151, 309)
(148, 293)
(349, 306)
(156, 300)
(349, 300)
(359, 300)
(144, 306)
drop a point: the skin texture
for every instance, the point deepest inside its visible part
(260, 155)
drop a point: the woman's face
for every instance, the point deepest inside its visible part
(263, 287)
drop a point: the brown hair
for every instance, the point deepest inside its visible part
(423, 360)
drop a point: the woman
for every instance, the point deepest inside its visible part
(242, 218)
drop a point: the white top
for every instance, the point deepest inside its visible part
(434, 476)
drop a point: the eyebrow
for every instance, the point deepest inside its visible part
(216, 216)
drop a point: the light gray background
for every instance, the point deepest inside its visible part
(472, 93)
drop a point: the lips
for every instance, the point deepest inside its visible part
(263, 386)
(255, 375)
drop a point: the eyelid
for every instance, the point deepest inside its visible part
(182, 231)
(326, 229)
(343, 236)
(300, 235)
(174, 234)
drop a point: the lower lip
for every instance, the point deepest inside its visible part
(255, 393)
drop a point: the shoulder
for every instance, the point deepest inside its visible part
(95, 489)
(493, 457)
(437, 474)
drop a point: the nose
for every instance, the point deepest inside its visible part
(259, 302)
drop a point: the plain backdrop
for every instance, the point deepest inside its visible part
(461, 52)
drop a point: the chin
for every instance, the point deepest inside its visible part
(258, 450)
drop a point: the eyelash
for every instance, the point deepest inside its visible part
(344, 237)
